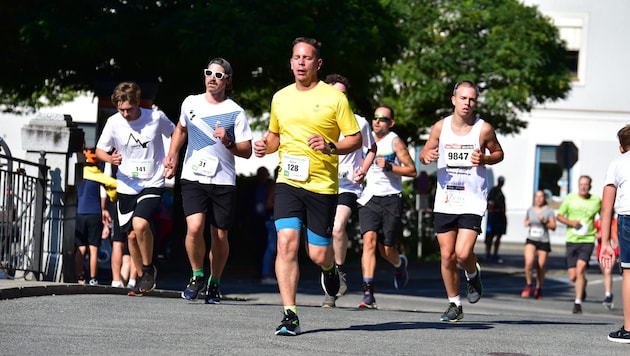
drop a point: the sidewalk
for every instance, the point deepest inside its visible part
(172, 281)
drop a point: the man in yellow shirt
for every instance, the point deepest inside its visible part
(307, 118)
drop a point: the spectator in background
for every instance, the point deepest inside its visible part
(539, 219)
(497, 221)
(90, 227)
(271, 237)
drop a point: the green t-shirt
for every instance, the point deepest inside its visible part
(576, 208)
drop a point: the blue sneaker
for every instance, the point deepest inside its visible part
(290, 325)
(196, 287)
(401, 277)
(213, 294)
(368, 301)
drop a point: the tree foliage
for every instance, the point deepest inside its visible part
(511, 51)
(407, 53)
(56, 47)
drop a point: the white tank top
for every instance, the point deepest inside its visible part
(379, 181)
(462, 189)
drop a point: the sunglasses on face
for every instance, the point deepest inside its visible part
(381, 118)
(218, 75)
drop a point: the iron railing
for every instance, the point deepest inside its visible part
(23, 203)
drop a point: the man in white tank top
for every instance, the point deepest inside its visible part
(381, 204)
(460, 143)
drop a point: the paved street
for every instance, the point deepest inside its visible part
(101, 320)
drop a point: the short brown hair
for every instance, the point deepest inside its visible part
(126, 91)
(624, 137)
(337, 78)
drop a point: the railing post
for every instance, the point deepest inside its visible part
(40, 208)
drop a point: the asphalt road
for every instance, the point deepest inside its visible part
(103, 321)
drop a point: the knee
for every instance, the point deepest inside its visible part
(449, 258)
(285, 249)
(318, 257)
(338, 231)
(140, 224)
(369, 241)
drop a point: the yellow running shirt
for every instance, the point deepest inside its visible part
(296, 115)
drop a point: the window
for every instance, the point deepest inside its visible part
(573, 32)
(548, 173)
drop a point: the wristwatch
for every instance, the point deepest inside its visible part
(333, 148)
(230, 145)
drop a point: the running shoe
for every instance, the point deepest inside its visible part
(213, 295)
(343, 285)
(81, 279)
(620, 335)
(368, 301)
(474, 287)
(196, 287)
(147, 281)
(329, 301)
(290, 325)
(608, 302)
(117, 284)
(269, 281)
(453, 313)
(401, 277)
(93, 282)
(134, 291)
(577, 308)
(527, 291)
(538, 293)
(330, 281)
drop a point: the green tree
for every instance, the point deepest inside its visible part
(512, 51)
(54, 48)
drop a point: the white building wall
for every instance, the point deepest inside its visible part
(594, 111)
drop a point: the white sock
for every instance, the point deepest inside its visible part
(470, 276)
(456, 299)
(116, 284)
(131, 283)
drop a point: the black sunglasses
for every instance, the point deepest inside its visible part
(381, 118)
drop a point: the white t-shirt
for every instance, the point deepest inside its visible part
(207, 160)
(618, 174)
(351, 161)
(461, 189)
(141, 144)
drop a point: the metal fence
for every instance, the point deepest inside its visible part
(22, 223)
